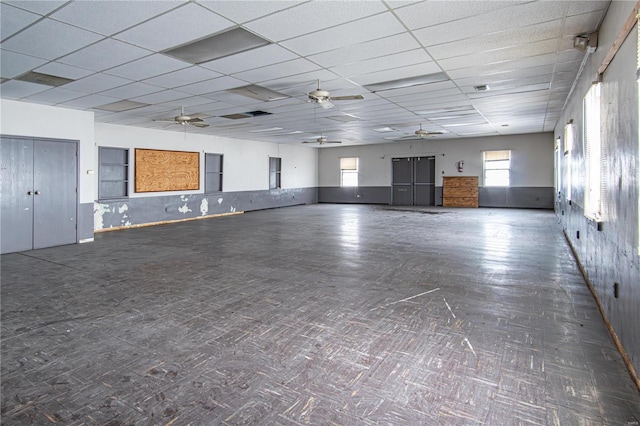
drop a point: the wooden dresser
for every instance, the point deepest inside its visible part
(460, 191)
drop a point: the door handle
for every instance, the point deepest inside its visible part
(37, 192)
(29, 192)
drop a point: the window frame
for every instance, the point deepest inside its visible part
(485, 169)
(275, 172)
(349, 171)
(102, 164)
(208, 172)
(569, 142)
(591, 109)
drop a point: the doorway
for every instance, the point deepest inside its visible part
(39, 193)
(413, 181)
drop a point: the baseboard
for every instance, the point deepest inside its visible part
(164, 222)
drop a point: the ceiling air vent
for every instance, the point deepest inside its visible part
(249, 114)
(258, 92)
(120, 106)
(46, 79)
(481, 88)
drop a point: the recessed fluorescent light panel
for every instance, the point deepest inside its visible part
(217, 46)
(384, 129)
(49, 80)
(345, 118)
(407, 82)
(258, 92)
(121, 106)
(271, 129)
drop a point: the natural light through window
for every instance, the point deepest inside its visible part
(568, 147)
(497, 168)
(349, 171)
(593, 152)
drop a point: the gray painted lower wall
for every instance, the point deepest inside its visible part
(139, 211)
(85, 222)
(524, 197)
(359, 195)
(515, 197)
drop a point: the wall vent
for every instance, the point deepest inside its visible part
(46, 79)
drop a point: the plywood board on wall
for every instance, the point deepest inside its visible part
(159, 170)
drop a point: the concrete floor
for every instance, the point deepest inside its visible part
(322, 314)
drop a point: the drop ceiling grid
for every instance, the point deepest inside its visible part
(367, 44)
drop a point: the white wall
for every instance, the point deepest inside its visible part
(41, 121)
(246, 163)
(531, 165)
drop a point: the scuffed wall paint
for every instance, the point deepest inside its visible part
(608, 251)
(163, 208)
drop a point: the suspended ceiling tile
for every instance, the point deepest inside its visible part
(404, 72)
(504, 39)
(255, 58)
(430, 13)
(584, 23)
(283, 69)
(131, 90)
(301, 83)
(89, 101)
(13, 20)
(160, 97)
(183, 77)
(54, 96)
(37, 6)
(14, 89)
(374, 27)
(50, 39)
(579, 7)
(477, 80)
(63, 70)
(495, 68)
(96, 83)
(214, 85)
(147, 67)
(312, 16)
(367, 50)
(14, 64)
(103, 55)
(497, 56)
(570, 55)
(397, 60)
(499, 20)
(242, 11)
(188, 23)
(110, 17)
(193, 103)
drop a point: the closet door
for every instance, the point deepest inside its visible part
(54, 200)
(16, 211)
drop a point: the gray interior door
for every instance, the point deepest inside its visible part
(425, 181)
(54, 201)
(16, 211)
(402, 181)
(39, 199)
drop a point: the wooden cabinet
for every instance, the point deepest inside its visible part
(460, 191)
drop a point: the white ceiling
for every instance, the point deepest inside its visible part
(522, 49)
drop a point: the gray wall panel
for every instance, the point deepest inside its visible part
(142, 210)
(85, 221)
(359, 195)
(517, 197)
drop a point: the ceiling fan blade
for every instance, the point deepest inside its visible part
(309, 142)
(200, 125)
(195, 120)
(332, 141)
(165, 120)
(326, 104)
(347, 98)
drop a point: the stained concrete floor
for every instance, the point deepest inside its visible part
(323, 314)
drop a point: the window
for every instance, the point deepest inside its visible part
(213, 173)
(113, 173)
(497, 168)
(593, 152)
(349, 171)
(558, 161)
(275, 168)
(568, 148)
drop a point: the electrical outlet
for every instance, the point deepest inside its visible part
(615, 290)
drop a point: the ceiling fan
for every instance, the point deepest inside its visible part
(184, 120)
(420, 134)
(324, 98)
(322, 140)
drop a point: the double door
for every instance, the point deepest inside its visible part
(39, 199)
(414, 181)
